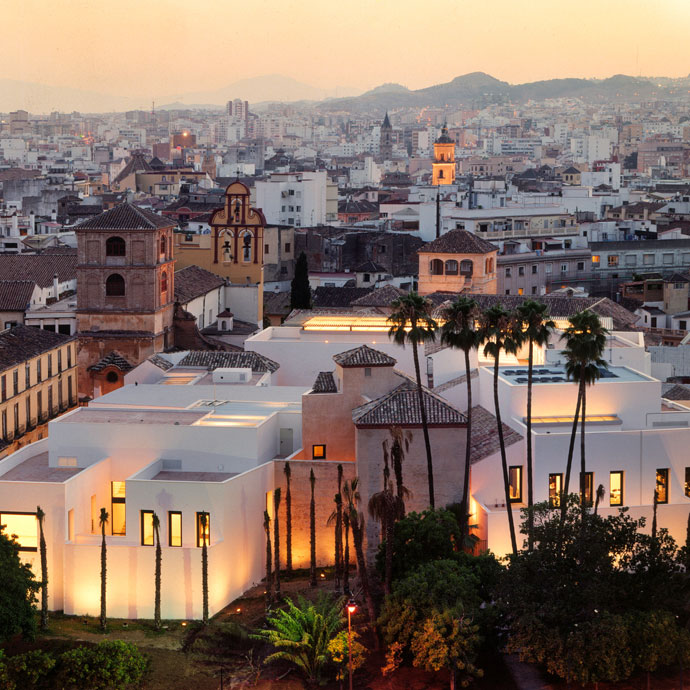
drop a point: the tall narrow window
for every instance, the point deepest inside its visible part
(174, 528)
(146, 527)
(115, 246)
(201, 531)
(662, 485)
(59, 360)
(118, 508)
(515, 483)
(555, 484)
(39, 376)
(69, 357)
(616, 488)
(589, 487)
(164, 281)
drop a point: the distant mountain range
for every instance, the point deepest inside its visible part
(478, 88)
(470, 90)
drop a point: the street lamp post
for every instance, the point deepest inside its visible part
(351, 608)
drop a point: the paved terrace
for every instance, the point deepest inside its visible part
(36, 469)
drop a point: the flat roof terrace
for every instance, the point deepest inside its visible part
(91, 415)
(182, 476)
(555, 373)
(36, 469)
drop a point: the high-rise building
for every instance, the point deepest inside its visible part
(238, 109)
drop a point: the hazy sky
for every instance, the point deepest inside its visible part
(163, 48)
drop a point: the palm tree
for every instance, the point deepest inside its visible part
(40, 516)
(103, 521)
(538, 327)
(339, 530)
(276, 541)
(411, 322)
(288, 518)
(203, 519)
(312, 532)
(356, 519)
(269, 557)
(459, 332)
(585, 342)
(346, 552)
(499, 332)
(601, 492)
(400, 444)
(159, 557)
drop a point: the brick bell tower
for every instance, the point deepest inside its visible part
(444, 159)
(125, 294)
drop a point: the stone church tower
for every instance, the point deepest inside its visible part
(444, 159)
(125, 294)
(386, 141)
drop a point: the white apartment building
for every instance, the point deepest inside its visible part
(297, 199)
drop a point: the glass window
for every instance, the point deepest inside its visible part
(555, 484)
(534, 269)
(548, 268)
(630, 259)
(118, 508)
(580, 265)
(668, 259)
(589, 488)
(515, 483)
(203, 533)
(23, 528)
(616, 488)
(115, 246)
(648, 259)
(521, 270)
(662, 485)
(687, 481)
(564, 268)
(174, 528)
(147, 528)
(508, 272)
(613, 260)
(318, 452)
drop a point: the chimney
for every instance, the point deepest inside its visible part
(32, 222)
(53, 215)
(56, 286)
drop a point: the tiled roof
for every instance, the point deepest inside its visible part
(485, 434)
(229, 360)
(363, 356)
(21, 342)
(112, 359)
(325, 383)
(126, 217)
(458, 242)
(161, 362)
(193, 281)
(381, 297)
(39, 268)
(15, 295)
(677, 392)
(401, 407)
(337, 297)
(137, 163)
(370, 267)
(276, 302)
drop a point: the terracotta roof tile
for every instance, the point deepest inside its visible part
(112, 359)
(193, 281)
(15, 295)
(485, 434)
(39, 268)
(458, 242)
(19, 343)
(126, 217)
(363, 356)
(325, 383)
(229, 360)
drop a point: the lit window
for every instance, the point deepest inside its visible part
(613, 260)
(595, 258)
(23, 528)
(147, 528)
(616, 488)
(662, 485)
(174, 528)
(203, 532)
(318, 452)
(118, 509)
(589, 488)
(555, 484)
(515, 483)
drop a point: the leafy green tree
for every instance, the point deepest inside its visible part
(288, 518)
(459, 332)
(41, 516)
(113, 665)
(103, 521)
(157, 575)
(338, 651)
(312, 532)
(585, 340)
(411, 323)
(203, 520)
(269, 559)
(538, 327)
(448, 640)
(301, 633)
(500, 331)
(300, 291)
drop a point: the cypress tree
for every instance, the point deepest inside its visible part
(300, 292)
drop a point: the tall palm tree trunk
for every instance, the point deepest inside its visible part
(388, 529)
(583, 464)
(339, 531)
(157, 595)
(504, 461)
(269, 559)
(563, 499)
(464, 525)
(530, 467)
(346, 555)
(425, 427)
(357, 524)
(312, 533)
(44, 569)
(276, 542)
(103, 575)
(288, 519)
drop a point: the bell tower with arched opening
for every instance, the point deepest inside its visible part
(444, 159)
(125, 294)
